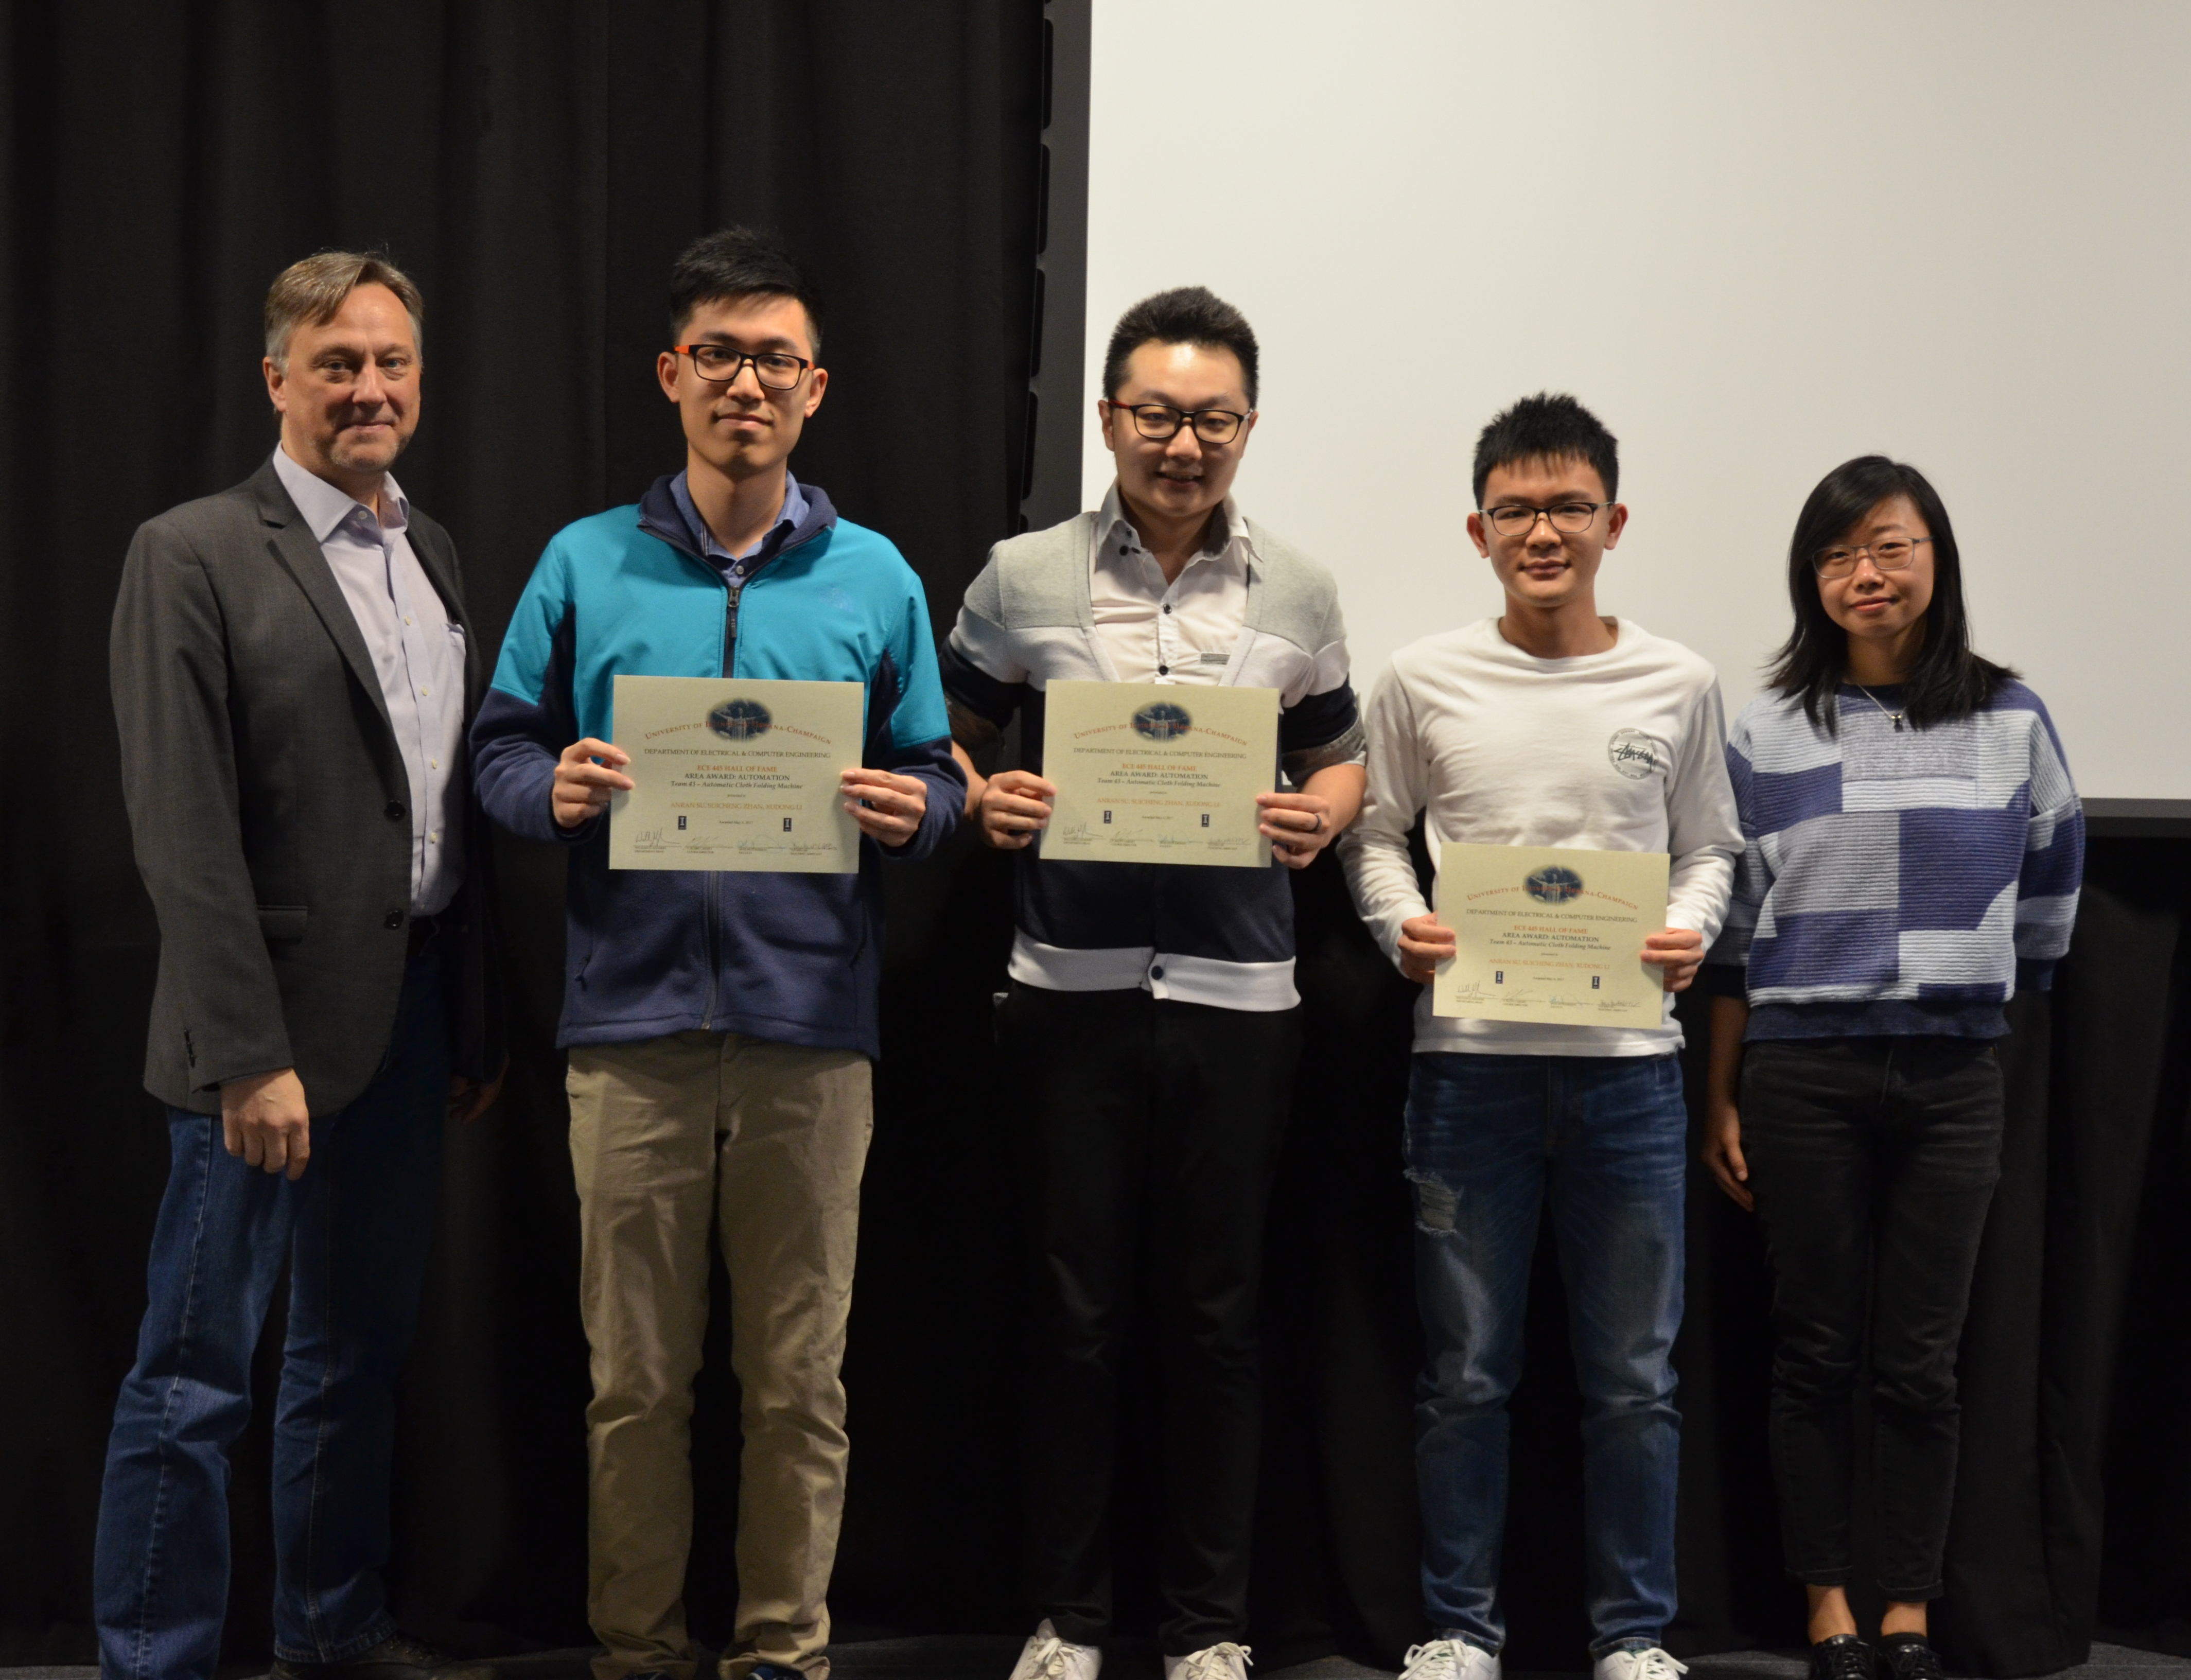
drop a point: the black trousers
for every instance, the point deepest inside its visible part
(1152, 1131)
(1873, 1161)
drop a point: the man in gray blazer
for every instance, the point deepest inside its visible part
(294, 675)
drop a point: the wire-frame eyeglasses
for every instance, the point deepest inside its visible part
(1893, 555)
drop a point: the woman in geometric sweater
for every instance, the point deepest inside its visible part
(1913, 851)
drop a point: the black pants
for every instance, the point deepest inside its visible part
(1872, 1159)
(1152, 1131)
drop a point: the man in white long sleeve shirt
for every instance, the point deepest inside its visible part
(1549, 726)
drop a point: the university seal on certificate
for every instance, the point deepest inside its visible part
(1549, 935)
(731, 774)
(1150, 772)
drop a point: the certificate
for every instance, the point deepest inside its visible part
(1547, 935)
(730, 774)
(1150, 772)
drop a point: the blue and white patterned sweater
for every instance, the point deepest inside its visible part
(1897, 881)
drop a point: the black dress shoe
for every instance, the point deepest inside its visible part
(1843, 1657)
(399, 1657)
(1908, 1656)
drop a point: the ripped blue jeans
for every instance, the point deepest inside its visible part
(1492, 1141)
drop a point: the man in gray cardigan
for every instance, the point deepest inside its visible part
(1150, 1033)
(292, 675)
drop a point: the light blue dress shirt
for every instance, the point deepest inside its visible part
(737, 568)
(417, 654)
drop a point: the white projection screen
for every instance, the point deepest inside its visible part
(1756, 239)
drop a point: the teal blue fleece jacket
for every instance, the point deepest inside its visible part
(792, 958)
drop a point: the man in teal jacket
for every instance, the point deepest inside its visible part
(721, 1027)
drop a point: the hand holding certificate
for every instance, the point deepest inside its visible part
(1159, 773)
(1548, 935)
(730, 773)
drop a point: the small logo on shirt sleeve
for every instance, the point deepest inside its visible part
(1633, 754)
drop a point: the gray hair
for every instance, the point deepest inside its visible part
(310, 293)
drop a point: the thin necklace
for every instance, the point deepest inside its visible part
(1894, 718)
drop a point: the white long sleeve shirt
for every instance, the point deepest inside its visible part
(1618, 751)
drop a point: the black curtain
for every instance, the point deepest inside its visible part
(537, 166)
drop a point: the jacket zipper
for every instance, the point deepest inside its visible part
(711, 887)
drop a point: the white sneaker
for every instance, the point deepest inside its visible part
(1226, 1662)
(1449, 1660)
(1651, 1664)
(1047, 1657)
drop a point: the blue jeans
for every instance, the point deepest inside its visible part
(1489, 1139)
(354, 1228)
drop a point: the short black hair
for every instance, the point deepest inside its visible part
(1548, 428)
(740, 262)
(1948, 681)
(1186, 315)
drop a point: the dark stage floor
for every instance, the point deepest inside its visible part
(991, 1659)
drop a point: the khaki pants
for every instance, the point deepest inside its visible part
(668, 1137)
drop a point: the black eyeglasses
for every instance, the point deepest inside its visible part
(1894, 554)
(1157, 421)
(1571, 517)
(719, 364)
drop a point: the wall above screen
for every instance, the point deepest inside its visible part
(1756, 240)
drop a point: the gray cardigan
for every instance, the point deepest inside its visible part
(1028, 620)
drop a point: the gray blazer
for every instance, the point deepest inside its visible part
(270, 807)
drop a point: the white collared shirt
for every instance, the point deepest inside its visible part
(1183, 631)
(417, 654)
